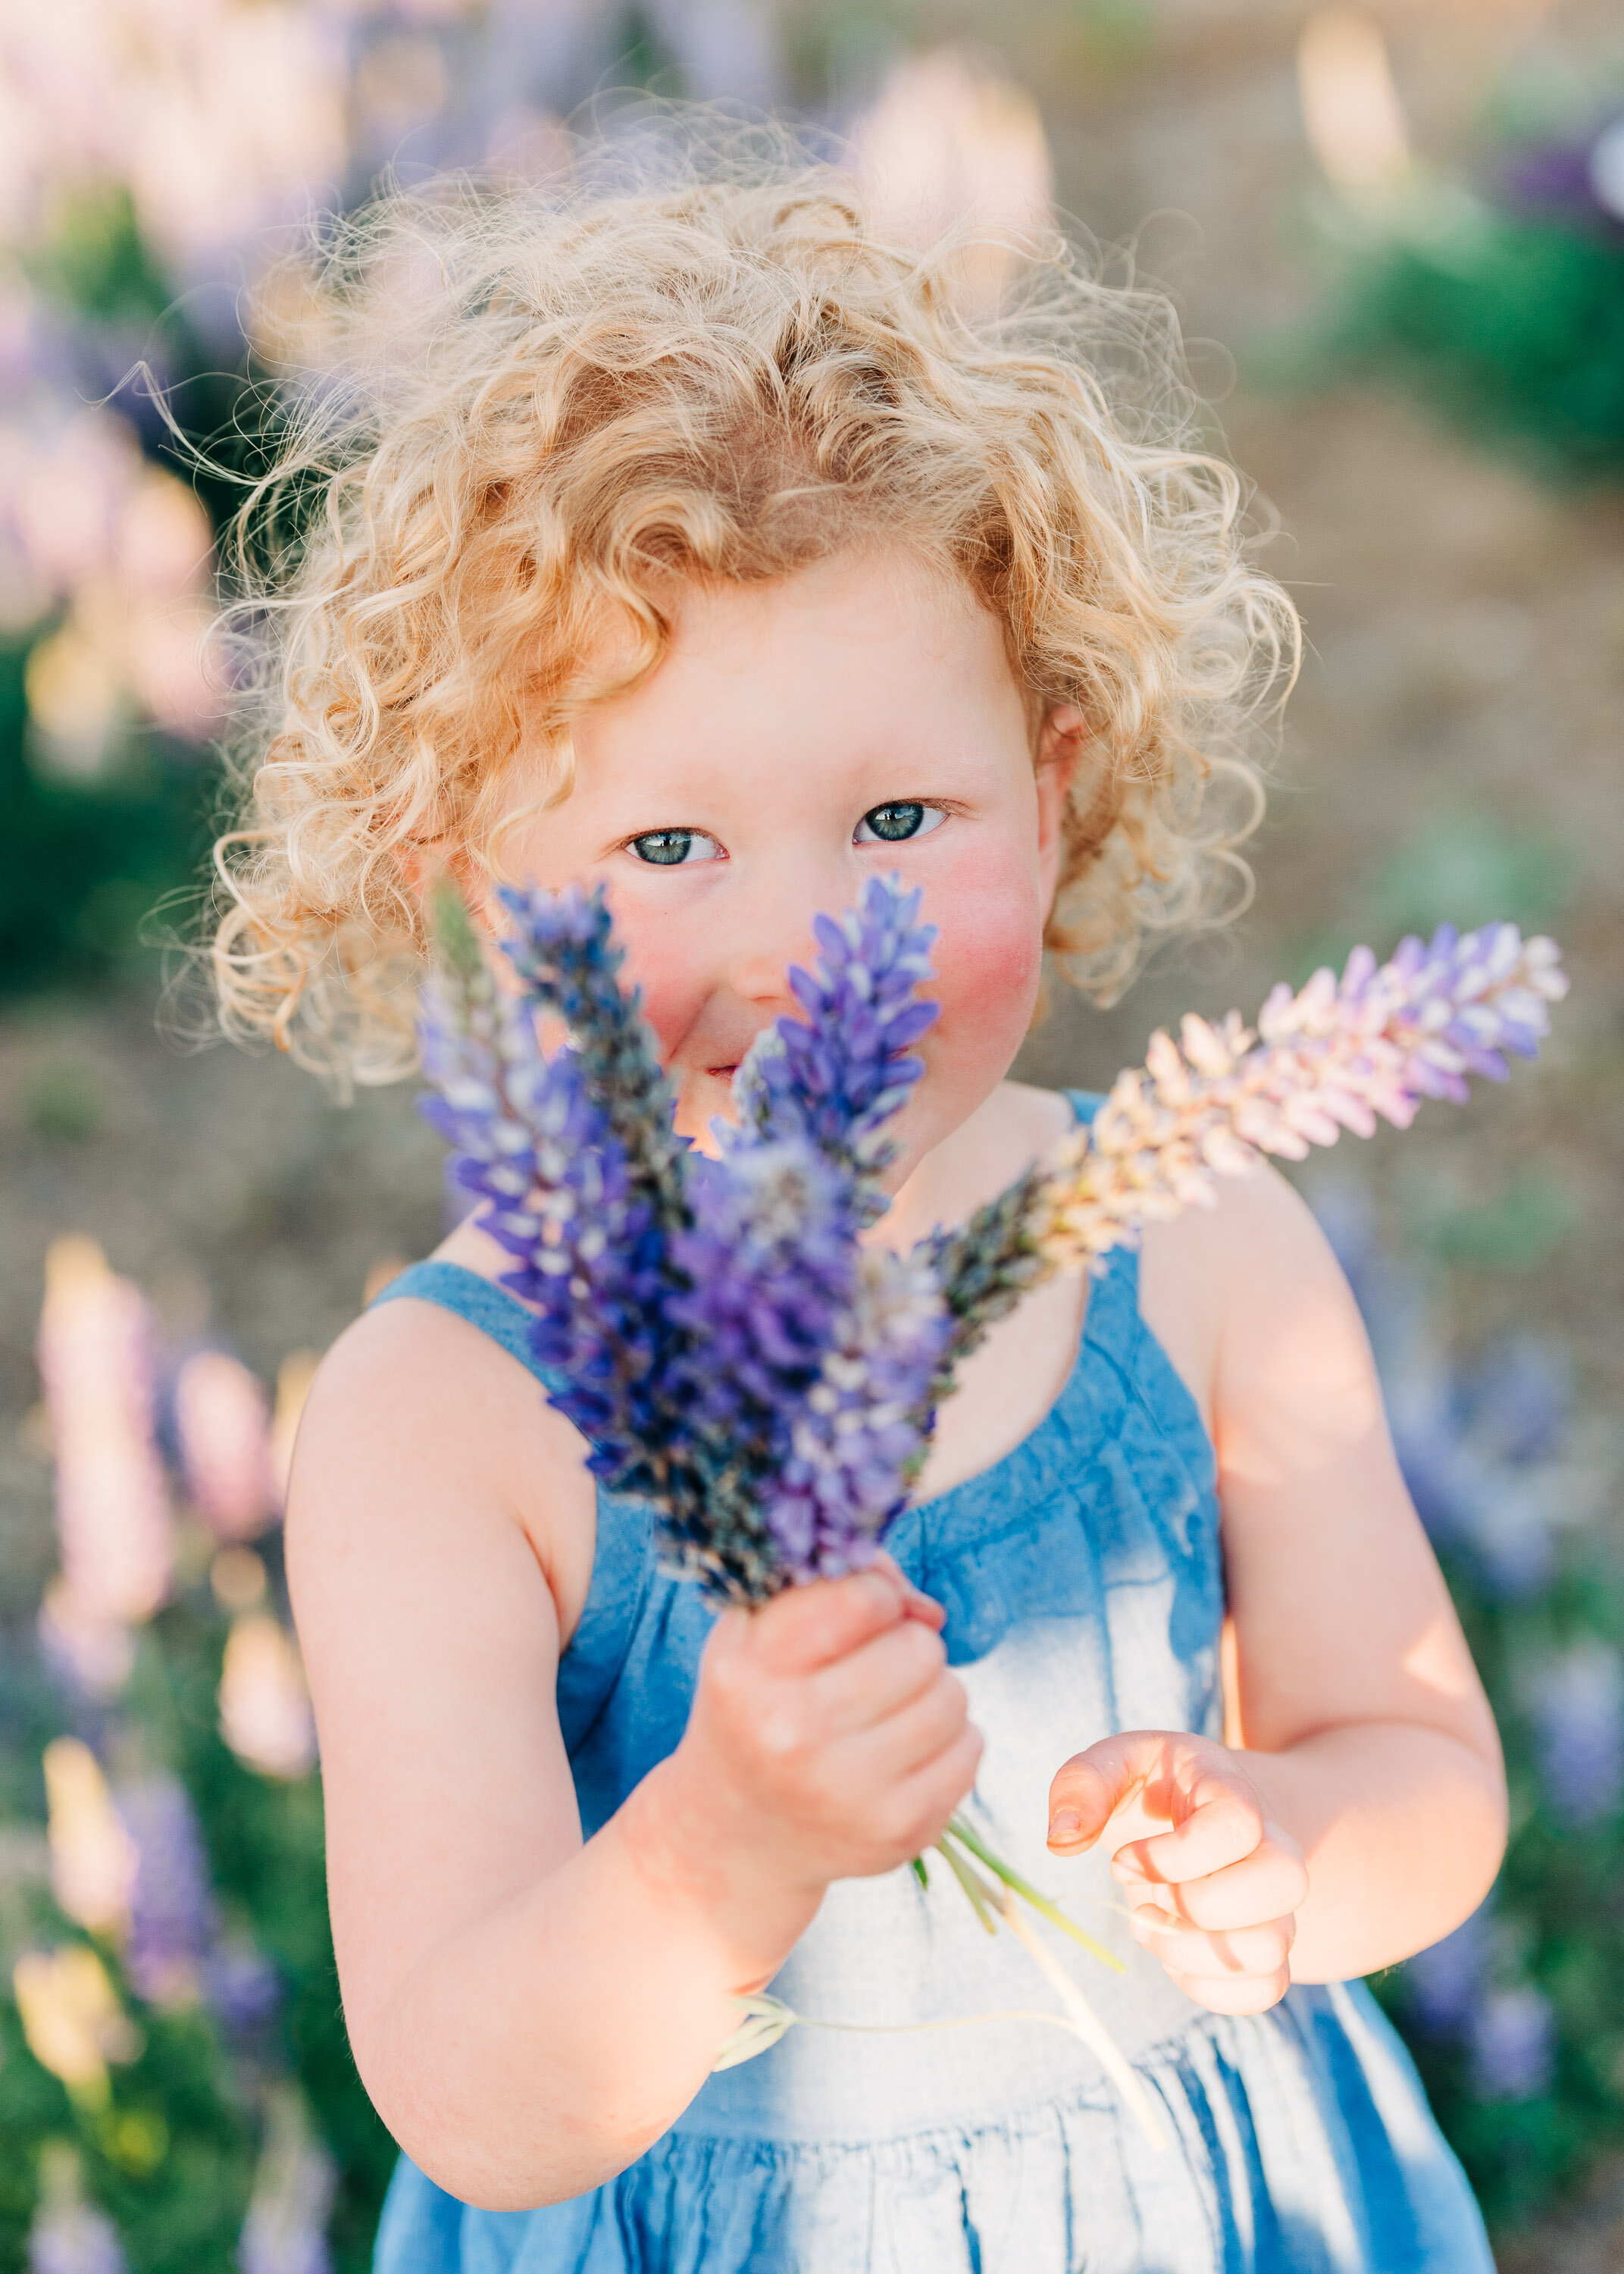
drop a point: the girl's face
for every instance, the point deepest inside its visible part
(859, 719)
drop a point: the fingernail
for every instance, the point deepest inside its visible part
(1064, 1823)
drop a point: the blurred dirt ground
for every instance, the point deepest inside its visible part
(1453, 747)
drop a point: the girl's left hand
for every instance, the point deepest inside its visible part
(1213, 1883)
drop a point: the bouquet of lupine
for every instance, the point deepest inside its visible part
(732, 1349)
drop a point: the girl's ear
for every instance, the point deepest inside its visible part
(1061, 741)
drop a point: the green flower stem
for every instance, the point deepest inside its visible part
(973, 1886)
(957, 1829)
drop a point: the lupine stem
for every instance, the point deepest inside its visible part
(957, 1829)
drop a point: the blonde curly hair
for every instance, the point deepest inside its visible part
(528, 416)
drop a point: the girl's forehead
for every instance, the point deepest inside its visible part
(877, 635)
(879, 595)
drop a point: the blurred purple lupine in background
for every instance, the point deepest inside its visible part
(171, 1908)
(1512, 2044)
(69, 2235)
(1578, 1713)
(285, 2232)
(1445, 1982)
(1481, 1444)
(158, 1588)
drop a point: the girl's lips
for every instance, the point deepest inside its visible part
(724, 1072)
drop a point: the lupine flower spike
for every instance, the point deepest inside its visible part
(731, 1350)
(1334, 1056)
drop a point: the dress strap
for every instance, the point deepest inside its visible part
(480, 1301)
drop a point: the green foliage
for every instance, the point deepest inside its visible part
(81, 864)
(1466, 868)
(1518, 1229)
(1560, 1910)
(1516, 326)
(171, 2159)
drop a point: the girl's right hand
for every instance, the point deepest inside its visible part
(827, 1741)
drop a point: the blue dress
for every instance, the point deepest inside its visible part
(1082, 1579)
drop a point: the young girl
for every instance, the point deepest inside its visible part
(692, 542)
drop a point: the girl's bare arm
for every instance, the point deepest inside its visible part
(527, 2011)
(1364, 1813)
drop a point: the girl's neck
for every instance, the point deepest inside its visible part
(974, 1163)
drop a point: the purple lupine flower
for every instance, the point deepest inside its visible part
(866, 1423)
(1336, 1055)
(1518, 1401)
(837, 1077)
(69, 2235)
(769, 1260)
(1445, 1982)
(482, 1055)
(171, 1905)
(1578, 1705)
(593, 1264)
(563, 948)
(1512, 2045)
(242, 1987)
(558, 1196)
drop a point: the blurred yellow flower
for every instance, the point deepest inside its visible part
(264, 1715)
(71, 2018)
(73, 689)
(93, 1857)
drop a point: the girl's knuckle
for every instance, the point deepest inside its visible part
(783, 1731)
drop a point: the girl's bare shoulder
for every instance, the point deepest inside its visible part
(417, 1417)
(1217, 1283)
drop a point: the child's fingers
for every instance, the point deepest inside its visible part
(808, 1627)
(906, 1741)
(1234, 1993)
(924, 1801)
(1267, 1884)
(917, 1604)
(1087, 1790)
(1187, 1951)
(877, 1680)
(1224, 1825)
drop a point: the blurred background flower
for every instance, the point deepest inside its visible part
(1398, 238)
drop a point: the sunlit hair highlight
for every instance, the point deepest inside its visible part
(517, 421)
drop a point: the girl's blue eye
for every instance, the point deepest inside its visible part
(902, 817)
(667, 848)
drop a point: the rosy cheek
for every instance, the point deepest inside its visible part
(988, 956)
(673, 993)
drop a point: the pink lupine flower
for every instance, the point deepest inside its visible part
(1335, 1055)
(224, 1427)
(113, 1518)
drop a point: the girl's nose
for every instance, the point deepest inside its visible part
(770, 926)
